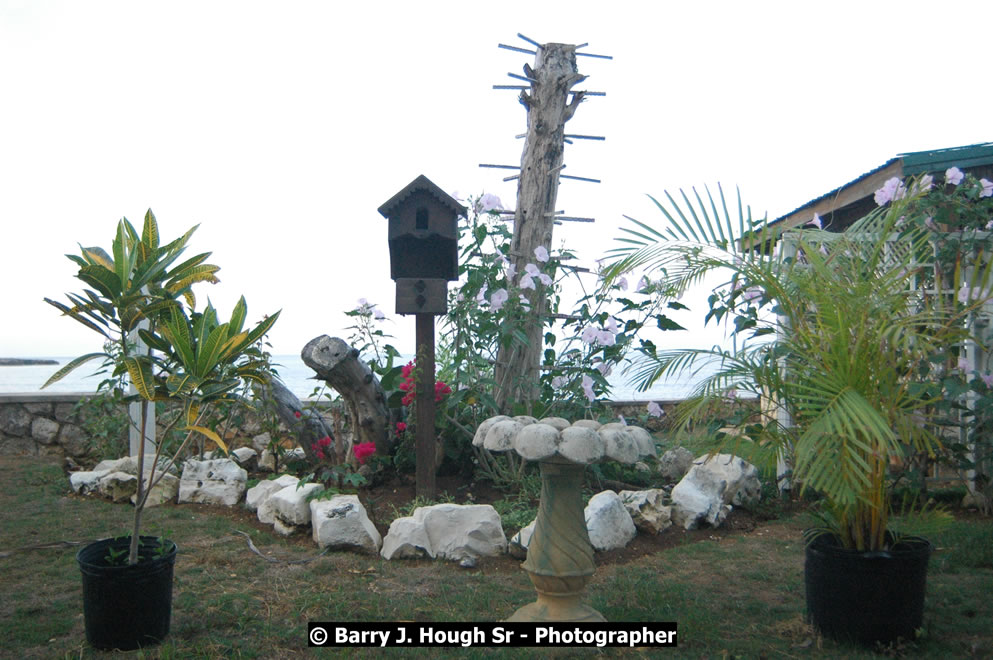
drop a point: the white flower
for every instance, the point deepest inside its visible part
(588, 388)
(987, 188)
(817, 222)
(642, 284)
(967, 295)
(510, 272)
(892, 189)
(654, 409)
(526, 281)
(559, 382)
(954, 176)
(623, 283)
(498, 298)
(590, 334)
(532, 270)
(481, 296)
(606, 337)
(545, 279)
(378, 315)
(541, 254)
(751, 293)
(489, 202)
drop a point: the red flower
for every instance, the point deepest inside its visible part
(297, 414)
(408, 399)
(405, 386)
(401, 427)
(316, 448)
(440, 389)
(364, 450)
(406, 370)
(324, 442)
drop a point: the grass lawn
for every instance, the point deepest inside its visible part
(736, 594)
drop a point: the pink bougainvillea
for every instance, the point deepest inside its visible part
(364, 450)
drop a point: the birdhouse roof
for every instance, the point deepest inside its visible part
(421, 183)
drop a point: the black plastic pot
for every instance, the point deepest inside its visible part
(126, 607)
(866, 597)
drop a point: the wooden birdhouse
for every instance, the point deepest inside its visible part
(423, 239)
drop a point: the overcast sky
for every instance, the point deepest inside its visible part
(282, 127)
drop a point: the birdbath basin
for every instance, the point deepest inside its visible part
(560, 556)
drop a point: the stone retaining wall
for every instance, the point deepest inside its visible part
(49, 425)
(41, 424)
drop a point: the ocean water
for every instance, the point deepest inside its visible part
(297, 376)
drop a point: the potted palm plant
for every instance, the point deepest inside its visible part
(139, 291)
(835, 334)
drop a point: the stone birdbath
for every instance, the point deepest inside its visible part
(560, 556)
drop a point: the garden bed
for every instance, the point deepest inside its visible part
(733, 591)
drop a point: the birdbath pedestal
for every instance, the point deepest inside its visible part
(560, 556)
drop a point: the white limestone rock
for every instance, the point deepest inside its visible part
(267, 461)
(258, 494)
(127, 464)
(342, 522)
(219, 481)
(711, 487)
(519, 542)
(261, 442)
(85, 482)
(609, 524)
(165, 490)
(743, 485)
(675, 463)
(698, 499)
(407, 538)
(246, 457)
(118, 486)
(290, 505)
(648, 509)
(447, 531)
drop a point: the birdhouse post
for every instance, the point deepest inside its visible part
(423, 240)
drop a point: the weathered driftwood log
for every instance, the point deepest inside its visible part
(338, 364)
(549, 108)
(309, 428)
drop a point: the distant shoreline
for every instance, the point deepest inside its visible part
(24, 362)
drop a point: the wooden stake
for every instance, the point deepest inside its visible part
(424, 432)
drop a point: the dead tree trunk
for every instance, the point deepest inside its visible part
(308, 428)
(338, 364)
(549, 108)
